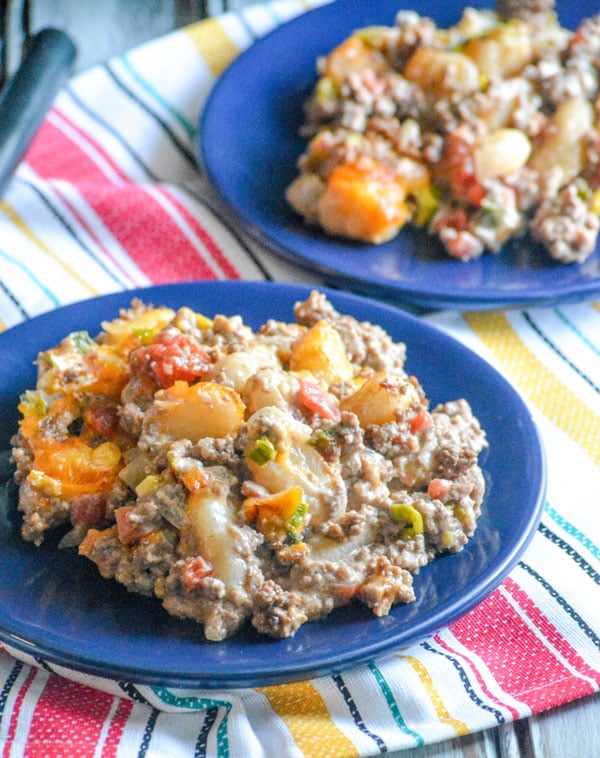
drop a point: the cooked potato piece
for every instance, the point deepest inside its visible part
(352, 56)
(205, 409)
(321, 351)
(380, 399)
(272, 387)
(304, 194)
(210, 516)
(441, 73)
(368, 205)
(502, 52)
(236, 368)
(562, 144)
(500, 153)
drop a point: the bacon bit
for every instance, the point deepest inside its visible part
(193, 573)
(438, 488)
(103, 419)
(318, 401)
(421, 422)
(89, 510)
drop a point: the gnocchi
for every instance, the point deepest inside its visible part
(495, 115)
(243, 476)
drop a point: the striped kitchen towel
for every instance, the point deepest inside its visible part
(109, 198)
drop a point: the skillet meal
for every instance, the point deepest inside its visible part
(238, 476)
(478, 133)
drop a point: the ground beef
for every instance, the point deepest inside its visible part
(528, 10)
(307, 494)
(456, 130)
(566, 226)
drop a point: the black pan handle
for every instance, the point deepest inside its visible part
(27, 97)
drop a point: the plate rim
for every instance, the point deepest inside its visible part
(316, 666)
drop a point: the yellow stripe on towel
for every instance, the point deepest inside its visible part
(304, 712)
(545, 390)
(434, 696)
(20, 223)
(214, 45)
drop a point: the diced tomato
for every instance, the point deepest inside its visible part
(438, 488)
(458, 164)
(103, 419)
(420, 422)
(88, 510)
(464, 246)
(314, 398)
(172, 357)
(129, 530)
(194, 572)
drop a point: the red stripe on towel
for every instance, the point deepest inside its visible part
(478, 677)
(202, 234)
(54, 155)
(16, 712)
(139, 223)
(518, 659)
(116, 728)
(68, 720)
(550, 632)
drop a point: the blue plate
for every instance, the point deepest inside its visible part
(249, 144)
(55, 605)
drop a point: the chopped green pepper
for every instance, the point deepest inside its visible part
(262, 451)
(427, 200)
(326, 89)
(82, 341)
(408, 514)
(296, 523)
(35, 401)
(144, 334)
(322, 438)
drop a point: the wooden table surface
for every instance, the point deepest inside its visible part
(109, 27)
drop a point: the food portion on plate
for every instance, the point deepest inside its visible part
(478, 132)
(238, 475)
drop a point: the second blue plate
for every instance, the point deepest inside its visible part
(249, 143)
